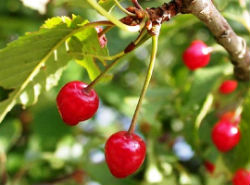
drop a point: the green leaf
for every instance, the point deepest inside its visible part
(27, 73)
(10, 132)
(91, 67)
(87, 44)
(100, 173)
(239, 157)
(48, 133)
(204, 82)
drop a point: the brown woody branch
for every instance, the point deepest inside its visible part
(207, 13)
(224, 34)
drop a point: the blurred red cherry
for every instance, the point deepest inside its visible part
(197, 55)
(225, 135)
(228, 86)
(241, 177)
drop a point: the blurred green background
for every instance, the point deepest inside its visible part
(37, 148)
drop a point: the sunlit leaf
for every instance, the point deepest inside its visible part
(34, 62)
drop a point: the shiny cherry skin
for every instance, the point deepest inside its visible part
(228, 86)
(197, 55)
(225, 135)
(210, 167)
(232, 117)
(241, 177)
(103, 39)
(125, 153)
(75, 104)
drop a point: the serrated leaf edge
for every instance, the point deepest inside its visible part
(37, 68)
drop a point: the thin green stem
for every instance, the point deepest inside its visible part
(237, 113)
(146, 82)
(105, 30)
(204, 110)
(91, 24)
(141, 35)
(137, 5)
(98, 78)
(114, 20)
(123, 9)
(110, 66)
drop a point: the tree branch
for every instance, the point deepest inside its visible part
(224, 34)
(207, 13)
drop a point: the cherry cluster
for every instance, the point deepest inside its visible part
(225, 133)
(124, 151)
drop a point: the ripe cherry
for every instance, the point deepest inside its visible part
(197, 55)
(103, 39)
(232, 117)
(75, 103)
(228, 86)
(225, 135)
(125, 153)
(210, 167)
(241, 177)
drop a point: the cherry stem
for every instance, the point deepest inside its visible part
(92, 24)
(100, 76)
(237, 113)
(105, 30)
(204, 110)
(116, 56)
(140, 40)
(146, 82)
(123, 9)
(137, 5)
(114, 20)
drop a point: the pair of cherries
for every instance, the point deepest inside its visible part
(124, 151)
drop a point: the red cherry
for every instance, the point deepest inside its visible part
(103, 39)
(197, 55)
(210, 167)
(232, 117)
(225, 135)
(241, 177)
(228, 86)
(75, 104)
(125, 153)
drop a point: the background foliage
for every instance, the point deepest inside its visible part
(40, 148)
